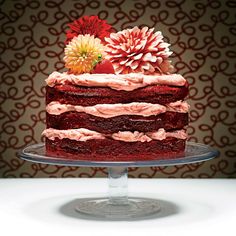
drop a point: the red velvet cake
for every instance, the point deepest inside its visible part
(119, 99)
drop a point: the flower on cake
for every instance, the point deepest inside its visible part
(82, 53)
(138, 51)
(91, 25)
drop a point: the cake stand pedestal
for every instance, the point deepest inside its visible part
(118, 205)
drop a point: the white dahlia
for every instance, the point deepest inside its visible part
(138, 51)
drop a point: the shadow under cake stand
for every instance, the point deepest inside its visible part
(118, 205)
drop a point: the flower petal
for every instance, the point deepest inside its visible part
(134, 65)
(149, 57)
(137, 57)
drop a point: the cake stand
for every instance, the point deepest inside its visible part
(118, 205)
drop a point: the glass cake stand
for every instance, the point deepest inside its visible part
(118, 206)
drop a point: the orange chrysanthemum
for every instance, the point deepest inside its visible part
(83, 53)
(138, 51)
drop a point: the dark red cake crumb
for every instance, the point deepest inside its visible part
(114, 150)
(89, 96)
(75, 120)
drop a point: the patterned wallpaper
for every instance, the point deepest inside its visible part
(203, 38)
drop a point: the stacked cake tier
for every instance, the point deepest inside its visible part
(116, 117)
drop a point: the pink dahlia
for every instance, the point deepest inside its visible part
(91, 25)
(139, 51)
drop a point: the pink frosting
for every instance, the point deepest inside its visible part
(135, 136)
(180, 134)
(179, 106)
(127, 82)
(126, 136)
(74, 134)
(108, 110)
(111, 110)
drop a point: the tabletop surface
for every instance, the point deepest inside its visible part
(46, 207)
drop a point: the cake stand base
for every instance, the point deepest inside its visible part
(134, 208)
(118, 205)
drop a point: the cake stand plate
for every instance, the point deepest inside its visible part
(118, 206)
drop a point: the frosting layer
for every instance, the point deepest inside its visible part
(74, 134)
(111, 110)
(126, 136)
(127, 82)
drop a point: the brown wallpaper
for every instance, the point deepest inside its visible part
(203, 38)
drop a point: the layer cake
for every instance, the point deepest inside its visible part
(116, 109)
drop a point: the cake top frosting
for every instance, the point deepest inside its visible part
(126, 82)
(92, 46)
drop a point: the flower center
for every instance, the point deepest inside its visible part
(83, 54)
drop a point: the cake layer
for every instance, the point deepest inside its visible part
(73, 120)
(89, 96)
(114, 150)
